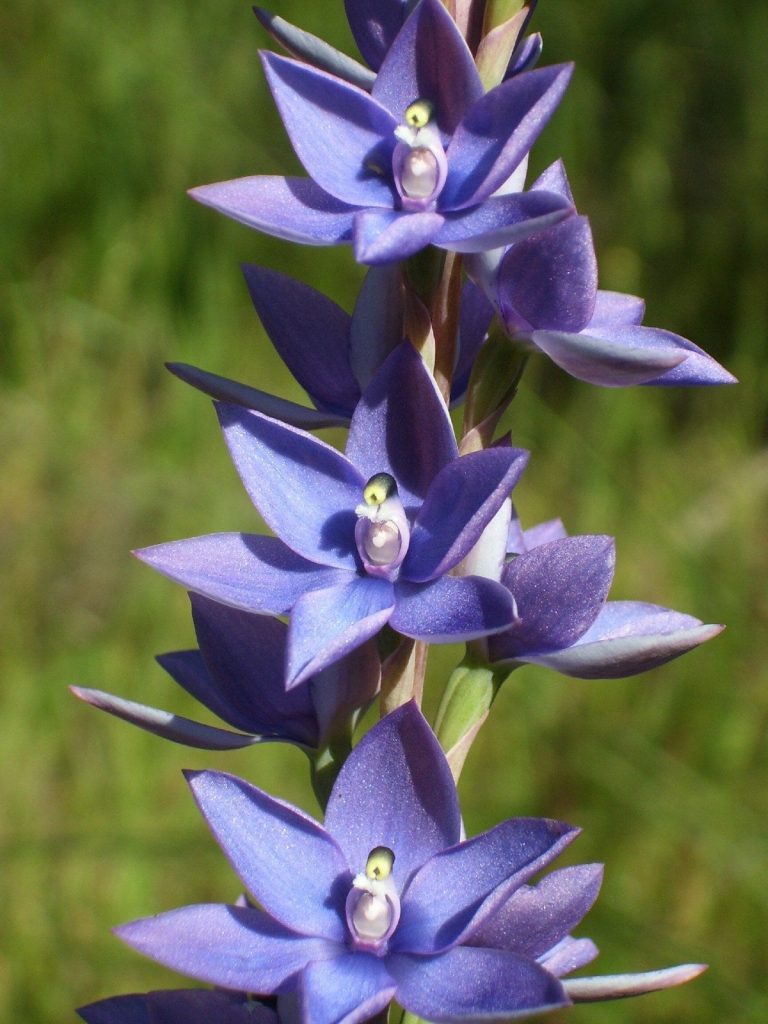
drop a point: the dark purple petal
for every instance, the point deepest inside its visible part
(162, 723)
(525, 55)
(697, 370)
(374, 24)
(189, 670)
(395, 790)
(257, 574)
(350, 988)
(285, 859)
(549, 280)
(569, 955)
(616, 309)
(628, 637)
(315, 51)
(498, 131)
(132, 1009)
(554, 179)
(327, 624)
(293, 208)
(451, 609)
(536, 918)
(620, 986)
(377, 322)
(558, 589)
(305, 490)
(225, 390)
(544, 533)
(245, 655)
(476, 313)
(346, 685)
(311, 335)
(383, 236)
(179, 1006)
(620, 360)
(237, 948)
(468, 984)
(429, 60)
(342, 136)
(501, 220)
(402, 427)
(461, 501)
(454, 892)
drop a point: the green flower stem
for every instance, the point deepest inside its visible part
(466, 702)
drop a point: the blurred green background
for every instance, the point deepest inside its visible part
(109, 112)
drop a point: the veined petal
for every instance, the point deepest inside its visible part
(501, 220)
(534, 919)
(305, 490)
(498, 131)
(461, 501)
(257, 574)
(350, 988)
(162, 723)
(451, 609)
(374, 24)
(315, 51)
(620, 986)
(621, 360)
(225, 390)
(458, 888)
(395, 790)
(467, 984)
(311, 335)
(245, 655)
(328, 624)
(383, 236)
(558, 589)
(342, 135)
(429, 60)
(626, 638)
(294, 868)
(548, 281)
(293, 208)
(402, 427)
(237, 948)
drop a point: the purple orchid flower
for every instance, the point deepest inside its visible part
(345, 351)
(416, 161)
(563, 619)
(365, 539)
(385, 901)
(544, 288)
(238, 673)
(179, 1006)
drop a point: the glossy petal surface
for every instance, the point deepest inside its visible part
(451, 608)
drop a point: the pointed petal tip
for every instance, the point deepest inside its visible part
(623, 986)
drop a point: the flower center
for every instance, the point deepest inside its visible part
(381, 532)
(419, 173)
(373, 906)
(418, 160)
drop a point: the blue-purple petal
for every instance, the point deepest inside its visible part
(569, 955)
(257, 574)
(437, 913)
(383, 236)
(617, 309)
(548, 281)
(179, 1006)
(344, 686)
(340, 133)
(286, 860)
(451, 609)
(498, 131)
(350, 988)
(468, 984)
(225, 390)
(461, 501)
(558, 588)
(554, 179)
(501, 220)
(623, 359)
(395, 790)
(237, 948)
(305, 489)
(376, 328)
(535, 919)
(429, 60)
(374, 24)
(311, 334)
(402, 427)
(621, 986)
(292, 208)
(475, 316)
(327, 624)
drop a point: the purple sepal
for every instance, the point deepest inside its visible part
(621, 986)
(374, 25)
(179, 1006)
(384, 236)
(451, 608)
(353, 987)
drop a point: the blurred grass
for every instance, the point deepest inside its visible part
(109, 112)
